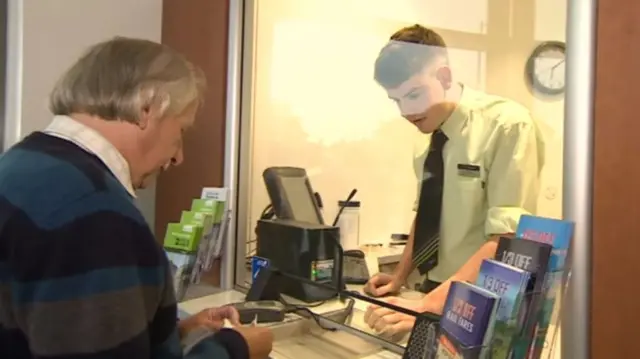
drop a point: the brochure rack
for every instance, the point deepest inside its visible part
(424, 340)
(194, 243)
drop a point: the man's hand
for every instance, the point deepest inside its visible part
(212, 319)
(390, 323)
(259, 340)
(382, 284)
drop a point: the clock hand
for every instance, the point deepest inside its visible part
(556, 65)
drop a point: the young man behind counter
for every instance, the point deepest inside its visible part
(478, 171)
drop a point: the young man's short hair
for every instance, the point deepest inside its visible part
(408, 51)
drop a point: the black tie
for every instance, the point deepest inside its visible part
(427, 231)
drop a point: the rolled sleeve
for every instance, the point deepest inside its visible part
(514, 177)
(503, 220)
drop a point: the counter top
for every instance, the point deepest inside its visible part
(357, 321)
(233, 296)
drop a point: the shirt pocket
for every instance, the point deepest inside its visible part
(471, 195)
(470, 183)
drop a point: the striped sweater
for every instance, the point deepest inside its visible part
(81, 275)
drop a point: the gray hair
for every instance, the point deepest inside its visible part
(119, 78)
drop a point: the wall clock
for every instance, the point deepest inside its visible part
(545, 69)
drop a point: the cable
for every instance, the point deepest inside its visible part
(312, 305)
(297, 308)
(267, 213)
(266, 208)
(314, 316)
(318, 199)
(294, 308)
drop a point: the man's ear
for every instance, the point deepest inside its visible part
(444, 76)
(145, 117)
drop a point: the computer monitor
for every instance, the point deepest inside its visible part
(291, 194)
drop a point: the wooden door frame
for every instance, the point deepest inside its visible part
(614, 265)
(199, 30)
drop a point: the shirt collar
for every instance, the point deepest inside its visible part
(453, 125)
(88, 139)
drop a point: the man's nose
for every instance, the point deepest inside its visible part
(405, 110)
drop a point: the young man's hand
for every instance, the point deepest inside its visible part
(389, 323)
(393, 324)
(382, 284)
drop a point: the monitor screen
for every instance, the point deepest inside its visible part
(302, 204)
(291, 194)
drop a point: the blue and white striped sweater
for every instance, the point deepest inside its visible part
(81, 275)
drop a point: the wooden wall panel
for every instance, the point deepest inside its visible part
(198, 29)
(616, 203)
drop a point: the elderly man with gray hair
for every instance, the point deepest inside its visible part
(81, 274)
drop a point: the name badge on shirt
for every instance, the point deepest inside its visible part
(466, 170)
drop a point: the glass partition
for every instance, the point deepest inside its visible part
(4, 17)
(309, 99)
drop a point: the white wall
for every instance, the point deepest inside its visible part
(315, 104)
(550, 25)
(47, 36)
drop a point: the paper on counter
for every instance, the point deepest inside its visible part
(227, 323)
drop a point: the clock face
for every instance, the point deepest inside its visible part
(546, 69)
